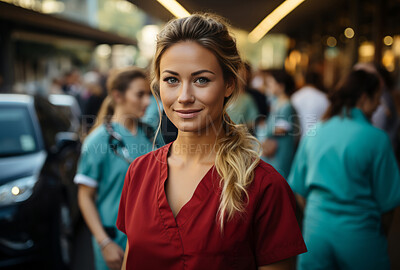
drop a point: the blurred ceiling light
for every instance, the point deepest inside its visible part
(103, 50)
(388, 60)
(175, 8)
(388, 40)
(366, 51)
(51, 6)
(396, 46)
(25, 3)
(331, 42)
(147, 41)
(349, 32)
(125, 6)
(272, 19)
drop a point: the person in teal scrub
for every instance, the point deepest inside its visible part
(347, 176)
(152, 115)
(117, 139)
(280, 133)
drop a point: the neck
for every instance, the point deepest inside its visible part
(122, 118)
(198, 147)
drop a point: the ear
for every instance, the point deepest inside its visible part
(229, 87)
(117, 96)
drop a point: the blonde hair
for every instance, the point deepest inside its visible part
(118, 80)
(238, 153)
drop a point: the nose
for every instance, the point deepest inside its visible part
(185, 93)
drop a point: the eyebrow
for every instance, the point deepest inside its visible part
(193, 74)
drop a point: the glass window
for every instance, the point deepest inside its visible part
(17, 136)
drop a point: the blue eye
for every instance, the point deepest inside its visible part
(171, 80)
(202, 80)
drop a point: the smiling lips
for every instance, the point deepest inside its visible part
(188, 113)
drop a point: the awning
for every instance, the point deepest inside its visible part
(17, 18)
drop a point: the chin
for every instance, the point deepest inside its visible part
(188, 127)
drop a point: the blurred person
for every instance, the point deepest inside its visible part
(72, 86)
(279, 133)
(310, 102)
(258, 96)
(257, 82)
(152, 116)
(56, 86)
(95, 97)
(116, 140)
(347, 177)
(244, 109)
(204, 201)
(385, 117)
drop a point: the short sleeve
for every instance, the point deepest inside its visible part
(89, 166)
(386, 178)
(123, 201)
(298, 172)
(277, 232)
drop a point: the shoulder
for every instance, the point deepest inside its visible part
(270, 190)
(378, 136)
(268, 179)
(287, 108)
(96, 137)
(247, 96)
(151, 159)
(364, 129)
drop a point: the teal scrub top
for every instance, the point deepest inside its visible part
(282, 115)
(347, 172)
(152, 116)
(100, 167)
(243, 110)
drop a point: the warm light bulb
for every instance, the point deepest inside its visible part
(349, 32)
(331, 42)
(388, 40)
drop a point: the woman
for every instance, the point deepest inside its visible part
(280, 133)
(348, 175)
(118, 139)
(204, 201)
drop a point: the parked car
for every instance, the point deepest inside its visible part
(38, 156)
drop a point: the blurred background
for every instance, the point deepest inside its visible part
(58, 53)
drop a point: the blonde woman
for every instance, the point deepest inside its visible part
(204, 201)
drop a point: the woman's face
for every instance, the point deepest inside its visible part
(136, 98)
(192, 87)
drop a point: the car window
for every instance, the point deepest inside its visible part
(17, 136)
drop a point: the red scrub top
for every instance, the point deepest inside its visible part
(266, 233)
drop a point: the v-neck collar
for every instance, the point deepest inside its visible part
(201, 192)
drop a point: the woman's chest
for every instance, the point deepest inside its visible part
(195, 231)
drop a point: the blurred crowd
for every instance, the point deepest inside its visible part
(310, 134)
(268, 96)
